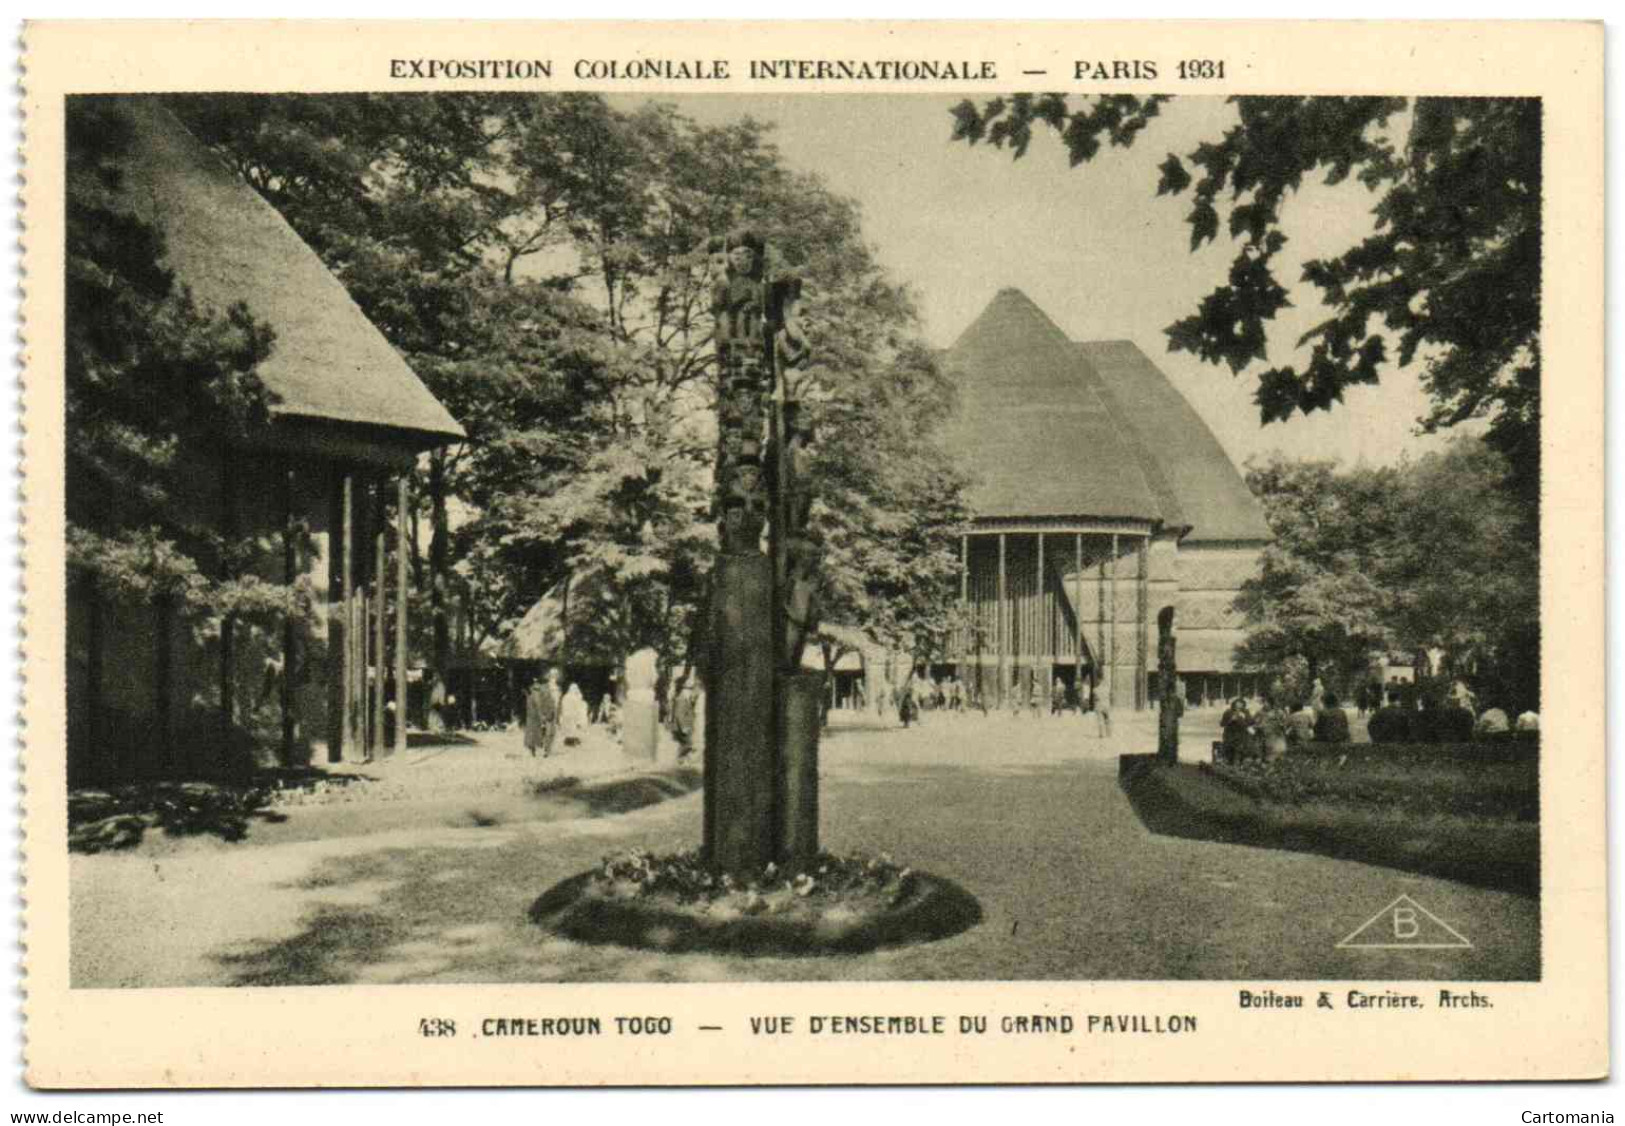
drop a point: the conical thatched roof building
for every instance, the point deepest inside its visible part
(1100, 496)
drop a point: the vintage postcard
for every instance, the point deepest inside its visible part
(711, 553)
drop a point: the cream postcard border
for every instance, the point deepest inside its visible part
(359, 1036)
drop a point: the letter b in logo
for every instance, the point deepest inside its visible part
(1405, 924)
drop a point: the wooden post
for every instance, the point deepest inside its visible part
(1001, 629)
(290, 564)
(1142, 611)
(741, 766)
(380, 658)
(1077, 609)
(1111, 661)
(402, 503)
(1100, 621)
(1169, 708)
(962, 647)
(346, 638)
(1043, 638)
(800, 715)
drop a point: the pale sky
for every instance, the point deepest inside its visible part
(1094, 247)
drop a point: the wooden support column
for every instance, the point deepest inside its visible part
(290, 564)
(1100, 619)
(1142, 642)
(344, 644)
(1111, 660)
(380, 653)
(1043, 642)
(1001, 630)
(402, 503)
(965, 628)
(1077, 607)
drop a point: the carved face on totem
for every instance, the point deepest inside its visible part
(747, 478)
(733, 518)
(742, 261)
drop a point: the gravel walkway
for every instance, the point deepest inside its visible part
(1025, 814)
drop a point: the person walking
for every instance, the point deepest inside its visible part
(1103, 705)
(682, 720)
(542, 715)
(573, 715)
(905, 702)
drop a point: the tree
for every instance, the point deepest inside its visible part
(1319, 594)
(1427, 554)
(540, 262)
(417, 204)
(1464, 573)
(156, 385)
(1450, 274)
(890, 500)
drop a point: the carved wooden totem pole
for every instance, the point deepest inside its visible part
(762, 711)
(1167, 688)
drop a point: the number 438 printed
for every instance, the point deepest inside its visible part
(437, 1026)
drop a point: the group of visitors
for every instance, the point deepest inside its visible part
(1247, 733)
(921, 693)
(552, 717)
(1399, 712)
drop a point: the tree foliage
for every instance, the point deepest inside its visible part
(156, 384)
(539, 261)
(1431, 553)
(1449, 276)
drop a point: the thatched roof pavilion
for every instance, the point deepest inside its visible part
(1099, 496)
(349, 418)
(330, 364)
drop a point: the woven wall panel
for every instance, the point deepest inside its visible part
(1208, 609)
(1206, 568)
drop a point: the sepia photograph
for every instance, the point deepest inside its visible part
(533, 537)
(837, 553)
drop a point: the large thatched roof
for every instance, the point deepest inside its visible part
(1203, 488)
(1033, 431)
(1050, 428)
(329, 362)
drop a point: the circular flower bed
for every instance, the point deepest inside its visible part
(674, 902)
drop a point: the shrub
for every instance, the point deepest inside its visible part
(1391, 725)
(1446, 724)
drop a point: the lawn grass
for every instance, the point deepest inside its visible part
(1415, 781)
(1195, 801)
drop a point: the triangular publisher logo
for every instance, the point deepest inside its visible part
(1405, 925)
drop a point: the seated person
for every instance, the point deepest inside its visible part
(1300, 726)
(1236, 723)
(1332, 724)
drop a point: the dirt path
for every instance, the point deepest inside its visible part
(1026, 815)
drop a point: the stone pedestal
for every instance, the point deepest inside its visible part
(640, 714)
(640, 726)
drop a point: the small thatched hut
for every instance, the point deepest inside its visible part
(349, 420)
(1100, 496)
